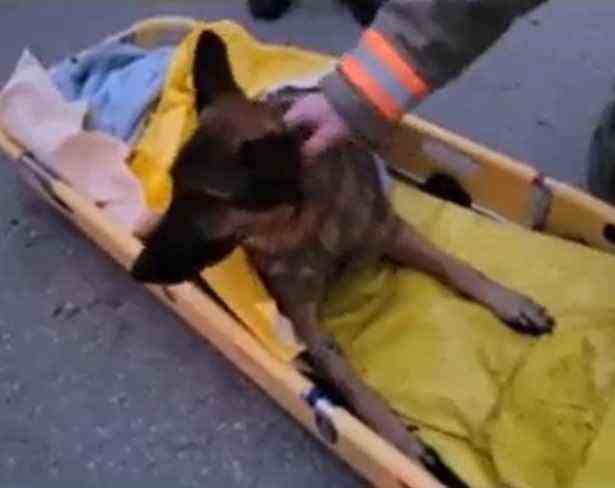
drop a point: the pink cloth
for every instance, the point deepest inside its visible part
(35, 114)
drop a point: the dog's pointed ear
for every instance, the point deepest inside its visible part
(186, 241)
(212, 73)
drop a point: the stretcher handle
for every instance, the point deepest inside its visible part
(11, 148)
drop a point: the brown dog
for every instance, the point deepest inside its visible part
(239, 181)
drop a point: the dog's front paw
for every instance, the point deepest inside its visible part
(523, 314)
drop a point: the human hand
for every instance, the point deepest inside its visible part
(316, 114)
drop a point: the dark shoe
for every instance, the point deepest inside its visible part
(269, 9)
(364, 11)
(601, 178)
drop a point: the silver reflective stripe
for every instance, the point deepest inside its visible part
(381, 74)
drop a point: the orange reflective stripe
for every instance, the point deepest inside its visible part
(403, 72)
(359, 77)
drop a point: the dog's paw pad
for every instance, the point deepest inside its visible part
(528, 317)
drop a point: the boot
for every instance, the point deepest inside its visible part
(601, 180)
(364, 11)
(269, 9)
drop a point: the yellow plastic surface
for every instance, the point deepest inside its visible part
(577, 216)
(494, 181)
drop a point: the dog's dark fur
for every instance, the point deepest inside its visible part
(239, 181)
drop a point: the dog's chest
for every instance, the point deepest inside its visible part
(358, 213)
(344, 223)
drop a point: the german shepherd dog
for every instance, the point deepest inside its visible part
(239, 180)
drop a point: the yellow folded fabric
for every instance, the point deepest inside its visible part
(256, 67)
(501, 408)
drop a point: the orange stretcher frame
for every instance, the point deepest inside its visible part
(499, 186)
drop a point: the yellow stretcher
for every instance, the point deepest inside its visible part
(500, 188)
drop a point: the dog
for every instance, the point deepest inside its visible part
(239, 181)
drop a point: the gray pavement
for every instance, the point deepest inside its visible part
(99, 384)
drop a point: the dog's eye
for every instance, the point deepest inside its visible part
(275, 156)
(256, 150)
(247, 155)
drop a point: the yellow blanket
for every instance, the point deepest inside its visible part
(503, 409)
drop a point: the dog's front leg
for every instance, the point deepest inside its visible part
(409, 248)
(365, 402)
(369, 406)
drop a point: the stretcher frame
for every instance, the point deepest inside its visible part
(499, 186)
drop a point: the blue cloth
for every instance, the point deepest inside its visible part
(118, 80)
